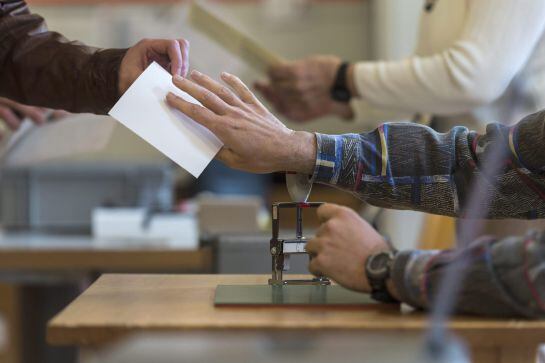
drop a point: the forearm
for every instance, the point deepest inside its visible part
(42, 68)
(408, 166)
(504, 278)
(468, 73)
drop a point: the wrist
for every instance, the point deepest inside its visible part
(390, 285)
(378, 273)
(351, 80)
(301, 156)
(381, 246)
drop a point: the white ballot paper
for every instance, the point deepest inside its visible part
(144, 111)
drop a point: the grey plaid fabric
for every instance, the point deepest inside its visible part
(409, 166)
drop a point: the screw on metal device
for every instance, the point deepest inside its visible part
(281, 249)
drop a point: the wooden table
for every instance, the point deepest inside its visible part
(33, 263)
(117, 305)
(64, 254)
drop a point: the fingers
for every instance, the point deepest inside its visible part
(184, 45)
(59, 114)
(197, 113)
(36, 114)
(201, 94)
(10, 118)
(314, 267)
(327, 211)
(240, 89)
(19, 111)
(218, 89)
(176, 50)
(314, 246)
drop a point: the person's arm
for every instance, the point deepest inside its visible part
(496, 41)
(505, 278)
(399, 165)
(501, 278)
(408, 166)
(42, 68)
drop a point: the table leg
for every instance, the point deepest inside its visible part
(11, 312)
(39, 303)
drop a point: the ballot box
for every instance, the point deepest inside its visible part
(61, 197)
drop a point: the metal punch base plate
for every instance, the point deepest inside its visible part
(289, 295)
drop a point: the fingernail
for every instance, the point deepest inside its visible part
(171, 96)
(225, 75)
(196, 74)
(178, 78)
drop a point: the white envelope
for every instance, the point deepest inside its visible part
(143, 110)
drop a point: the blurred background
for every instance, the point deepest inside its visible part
(110, 205)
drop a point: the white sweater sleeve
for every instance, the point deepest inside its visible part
(497, 39)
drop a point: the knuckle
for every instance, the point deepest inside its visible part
(226, 94)
(330, 226)
(194, 109)
(347, 213)
(207, 96)
(235, 126)
(238, 113)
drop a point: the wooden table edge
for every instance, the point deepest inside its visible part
(147, 260)
(67, 336)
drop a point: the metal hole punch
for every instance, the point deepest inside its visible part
(281, 249)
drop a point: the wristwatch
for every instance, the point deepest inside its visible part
(378, 269)
(339, 90)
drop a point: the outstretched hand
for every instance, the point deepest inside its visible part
(254, 139)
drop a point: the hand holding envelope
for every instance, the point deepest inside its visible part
(143, 110)
(254, 139)
(204, 116)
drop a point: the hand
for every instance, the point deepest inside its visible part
(173, 55)
(254, 140)
(301, 90)
(342, 245)
(13, 114)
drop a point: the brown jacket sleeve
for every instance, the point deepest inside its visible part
(42, 68)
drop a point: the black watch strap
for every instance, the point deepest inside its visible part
(340, 91)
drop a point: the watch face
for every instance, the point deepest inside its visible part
(378, 265)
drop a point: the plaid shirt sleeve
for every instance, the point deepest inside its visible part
(409, 166)
(506, 278)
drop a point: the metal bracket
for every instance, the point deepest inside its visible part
(281, 249)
